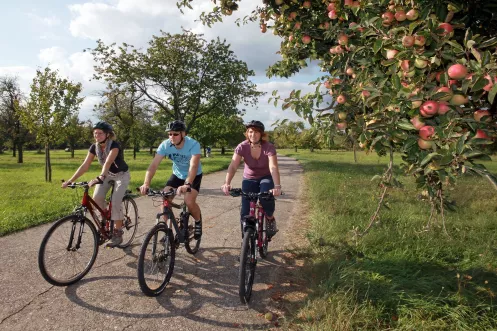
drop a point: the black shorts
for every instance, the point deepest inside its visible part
(176, 182)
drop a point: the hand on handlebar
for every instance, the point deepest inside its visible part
(144, 189)
(226, 189)
(276, 191)
(65, 184)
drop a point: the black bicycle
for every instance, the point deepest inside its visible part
(158, 251)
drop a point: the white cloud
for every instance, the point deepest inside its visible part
(46, 21)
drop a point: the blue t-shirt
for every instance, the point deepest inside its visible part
(181, 157)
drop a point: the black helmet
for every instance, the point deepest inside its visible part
(104, 126)
(176, 126)
(255, 124)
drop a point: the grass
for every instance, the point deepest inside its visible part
(398, 276)
(27, 200)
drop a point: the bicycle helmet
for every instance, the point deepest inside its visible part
(176, 126)
(255, 124)
(104, 126)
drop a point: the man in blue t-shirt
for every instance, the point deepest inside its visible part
(187, 169)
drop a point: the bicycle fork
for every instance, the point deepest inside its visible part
(71, 237)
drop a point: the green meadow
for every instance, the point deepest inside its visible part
(27, 200)
(400, 275)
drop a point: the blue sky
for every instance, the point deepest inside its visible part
(54, 33)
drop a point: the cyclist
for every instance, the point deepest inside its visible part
(187, 169)
(111, 157)
(260, 174)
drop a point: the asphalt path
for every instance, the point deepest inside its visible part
(202, 295)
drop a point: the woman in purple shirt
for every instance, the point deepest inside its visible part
(261, 172)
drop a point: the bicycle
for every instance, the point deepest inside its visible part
(70, 247)
(255, 239)
(158, 251)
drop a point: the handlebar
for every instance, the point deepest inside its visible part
(154, 193)
(236, 192)
(77, 184)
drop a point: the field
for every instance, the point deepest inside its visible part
(27, 200)
(399, 275)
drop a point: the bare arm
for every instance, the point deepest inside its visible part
(235, 162)
(81, 170)
(275, 173)
(152, 168)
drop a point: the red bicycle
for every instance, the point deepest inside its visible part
(70, 246)
(254, 239)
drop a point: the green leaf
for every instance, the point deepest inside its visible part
(479, 84)
(396, 81)
(488, 43)
(492, 93)
(477, 155)
(376, 177)
(428, 158)
(476, 54)
(406, 125)
(377, 45)
(461, 143)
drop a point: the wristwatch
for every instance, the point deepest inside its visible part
(189, 184)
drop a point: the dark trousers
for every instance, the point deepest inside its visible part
(262, 184)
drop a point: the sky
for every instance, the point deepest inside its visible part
(55, 33)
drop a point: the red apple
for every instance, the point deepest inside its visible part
(331, 6)
(278, 2)
(365, 93)
(341, 99)
(400, 15)
(327, 84)
(332, 15)
(388, 17)
(349, 71)
(336, 81)
(412, 15)
(347, 2)
(341, 125)
(457, 71)
(490, 84)
(417, 122)
(292, 16)
(306, 39)
(297, 25)
(408, 41)
(480, 113)
(447, 90)
(458, 100)
(481, 134)
(425, 144)
(263, 28)
(447, 29)
(428, 108)
(419, 40)
(343, 39)
(426, 132)
(306, 4)
(391, 53)
(404, 65)
(443, 107)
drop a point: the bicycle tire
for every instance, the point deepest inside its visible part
(154, 258)
(247, 266)
(130, 221)
(191, 244)
(263, 250)
(62, 233)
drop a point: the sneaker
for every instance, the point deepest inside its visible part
(116, 239)
(197, 232)
(271, 228)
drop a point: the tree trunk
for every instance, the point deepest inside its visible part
(14, 147)
(295, 148)
(355, 154)
(312, 149)
(134, 151)
(72, 152)
(222, 150)
(151, 150)
(48, 166)
(19, 154)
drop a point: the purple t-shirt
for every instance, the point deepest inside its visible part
(255, 169)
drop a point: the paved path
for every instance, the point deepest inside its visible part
(202, 295)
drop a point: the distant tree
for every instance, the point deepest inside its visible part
(183, 75)
(13, 130)
(76, 132)
(51, 103)
(287, 133)
(124, 108)
(152, 134)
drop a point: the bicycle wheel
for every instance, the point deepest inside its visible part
(156, 260)
(247, 266)
(68, 250)
(191, 244)
(130, 221)
(263, 238)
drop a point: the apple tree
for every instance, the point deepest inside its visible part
(418, 77)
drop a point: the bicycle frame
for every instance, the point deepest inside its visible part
(167, 216)
(260, 213)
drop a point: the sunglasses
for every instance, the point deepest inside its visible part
(173, 134)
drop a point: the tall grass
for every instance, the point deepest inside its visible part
(400, 275)
(27, 200)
